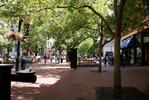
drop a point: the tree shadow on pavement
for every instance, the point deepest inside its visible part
(34, 91)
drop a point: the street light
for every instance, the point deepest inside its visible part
(18, 46)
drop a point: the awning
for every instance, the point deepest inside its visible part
(127, 43)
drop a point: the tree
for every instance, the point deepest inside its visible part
(19, 11)
(103, 40)
(85, 46)
(24, 10)
(118, 10)
(69, 31)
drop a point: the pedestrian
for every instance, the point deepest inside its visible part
(45, 58)
(105, 61)
(110, 62)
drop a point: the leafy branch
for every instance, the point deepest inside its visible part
(80, 7)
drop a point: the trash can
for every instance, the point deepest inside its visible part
(5, 81)
(73, 58)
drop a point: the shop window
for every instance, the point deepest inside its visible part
(146, 39)
(139, 55)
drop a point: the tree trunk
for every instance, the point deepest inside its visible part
(100, 52)
(100, 55)
(117, 72)
(118, 10)
(100, 45)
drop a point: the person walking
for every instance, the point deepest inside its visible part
(45, 58)
(105, 61)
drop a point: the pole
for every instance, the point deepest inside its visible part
(18, 46)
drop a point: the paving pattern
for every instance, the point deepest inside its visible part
(59, 82)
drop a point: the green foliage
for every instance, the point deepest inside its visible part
(68, 28)
(37, 39)
(67, 21)
(133, 14)
(85, 47)
(21, 9)
(3, 41)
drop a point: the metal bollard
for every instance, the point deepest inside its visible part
(5, 81)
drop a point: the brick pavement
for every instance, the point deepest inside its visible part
(61, 83)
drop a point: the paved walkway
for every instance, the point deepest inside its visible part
(59, 82)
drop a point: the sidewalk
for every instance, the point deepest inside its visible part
(59, 82)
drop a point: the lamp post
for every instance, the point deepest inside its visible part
(18, 46)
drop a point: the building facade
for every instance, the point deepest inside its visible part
(135, 48)
(108, 49)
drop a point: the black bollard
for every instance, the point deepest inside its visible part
(73, 58)
(5, 81)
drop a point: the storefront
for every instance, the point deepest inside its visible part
(135, 48)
